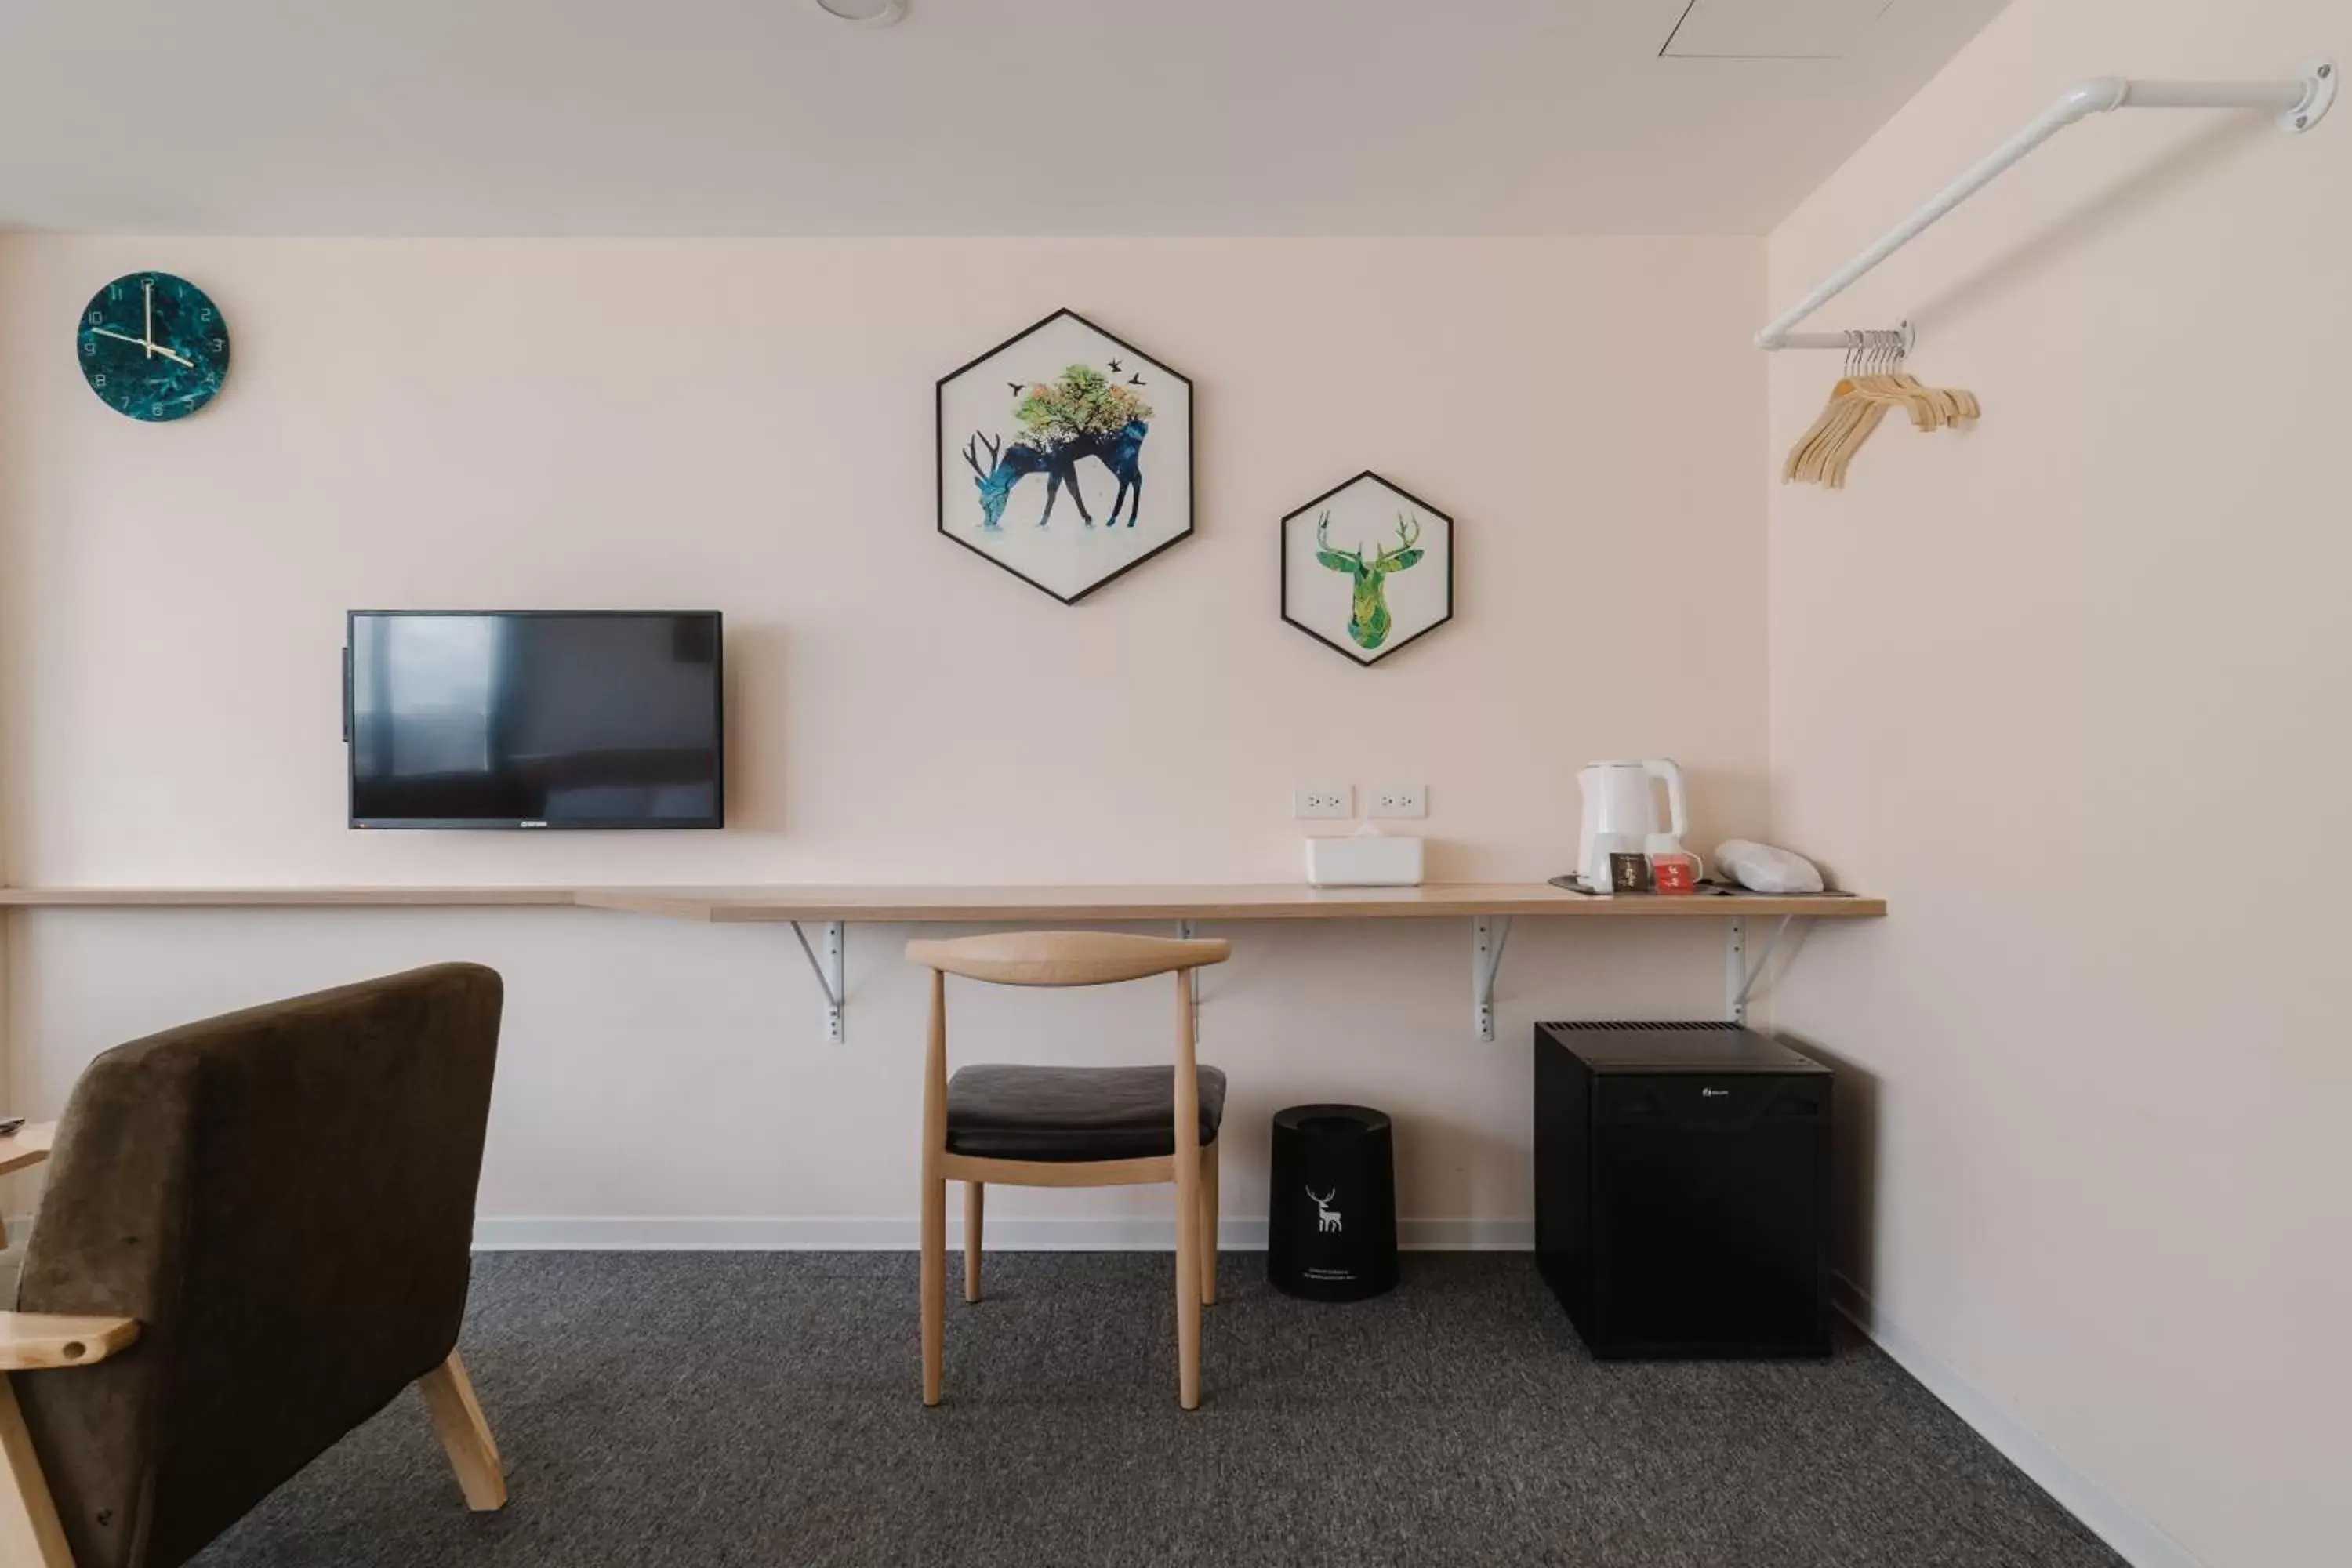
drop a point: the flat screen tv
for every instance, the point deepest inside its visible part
(548, 719)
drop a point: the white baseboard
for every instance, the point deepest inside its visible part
(2139, 1540)
(767, 1233)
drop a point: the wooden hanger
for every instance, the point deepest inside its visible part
(1832, 412)
(1838, 416)
(1874, 383)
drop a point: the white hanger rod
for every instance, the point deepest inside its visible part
(2299, 103)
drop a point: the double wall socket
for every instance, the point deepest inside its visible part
(1312, 801)
(1309, 802)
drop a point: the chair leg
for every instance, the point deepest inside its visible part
(465, 1435)
(934, 1281)
(973, 1199)
(29, 1532)
(1209, 1226)
(1188, 1278)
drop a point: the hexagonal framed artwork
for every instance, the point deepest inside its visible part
(1367, 568)
(1065, 456)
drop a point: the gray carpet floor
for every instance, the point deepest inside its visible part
(703, 1410)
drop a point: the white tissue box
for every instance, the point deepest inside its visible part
(1364, 860)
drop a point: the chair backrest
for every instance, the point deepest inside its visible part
(1065, 957)
(284, 1198)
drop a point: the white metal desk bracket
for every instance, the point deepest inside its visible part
(1489, 934)
(1739, 976)
(832, 974)
(2299, 103)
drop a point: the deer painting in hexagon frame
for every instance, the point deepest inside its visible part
(1038, 406)
(1385, 582)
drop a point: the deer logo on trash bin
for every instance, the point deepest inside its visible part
(1326, 1217)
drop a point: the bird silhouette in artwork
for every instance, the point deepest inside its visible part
(1135, 381)
(1015, 386)
(1116, 367)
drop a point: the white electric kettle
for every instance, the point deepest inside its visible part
(1618, 799)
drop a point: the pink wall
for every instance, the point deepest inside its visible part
(2069, 690)
(749, 426)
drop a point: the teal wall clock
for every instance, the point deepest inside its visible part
(153, 346)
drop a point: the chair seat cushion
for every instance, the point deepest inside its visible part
(1073, 1113)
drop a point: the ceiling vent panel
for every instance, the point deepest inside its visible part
(1773, 29)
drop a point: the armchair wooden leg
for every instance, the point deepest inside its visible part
(465, 1435)
(29, 1530)
(973, 1200)
(1209, 1226)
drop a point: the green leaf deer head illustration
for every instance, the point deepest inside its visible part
(1368, 618)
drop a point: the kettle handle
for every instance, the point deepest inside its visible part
(1668, 768)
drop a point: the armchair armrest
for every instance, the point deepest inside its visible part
(30, 1532)
(32, 1341)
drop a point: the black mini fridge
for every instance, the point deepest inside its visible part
(1682, 1189)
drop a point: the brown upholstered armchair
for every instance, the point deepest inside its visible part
(255, 1233)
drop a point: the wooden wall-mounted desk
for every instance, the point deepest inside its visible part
(1262, 902)
(284, 898)
(1489, 906)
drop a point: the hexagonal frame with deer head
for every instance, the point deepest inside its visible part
(1037, 405)
(1356, 617)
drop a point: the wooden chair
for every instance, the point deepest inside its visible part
(256, 1232)
(1070, 1127)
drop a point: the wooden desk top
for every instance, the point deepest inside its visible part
(1276, 902)
(281, 898)
(1265, 901)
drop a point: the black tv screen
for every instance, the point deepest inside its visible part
(534, 719)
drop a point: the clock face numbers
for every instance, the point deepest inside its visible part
(153, 346)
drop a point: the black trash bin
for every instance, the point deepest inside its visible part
(1331, 1228)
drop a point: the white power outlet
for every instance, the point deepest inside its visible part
(1399, 800)
(1325, 800)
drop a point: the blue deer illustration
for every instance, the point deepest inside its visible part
(1121, 452)
(1007, 467)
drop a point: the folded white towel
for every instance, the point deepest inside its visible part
(1762, 868)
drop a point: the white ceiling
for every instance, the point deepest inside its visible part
(716, 117)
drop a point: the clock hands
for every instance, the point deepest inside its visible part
(146, 340)
(152, 348)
